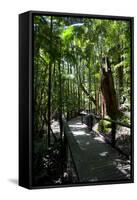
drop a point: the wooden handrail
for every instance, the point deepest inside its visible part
(110, 120)
(71, 142)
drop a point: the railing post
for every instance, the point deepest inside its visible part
(113, 134)
(82, 119)
(90, 122)
(65, 151)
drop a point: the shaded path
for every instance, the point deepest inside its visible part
(95, 160)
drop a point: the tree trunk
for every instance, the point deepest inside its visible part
(120, 77)
(109, 93)
(60, 103)
(49, 87)
(68, 93)
(89, 86)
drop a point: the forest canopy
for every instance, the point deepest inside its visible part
(72, 51)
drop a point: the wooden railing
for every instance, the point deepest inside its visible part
(110, 120)
(71, 149)
(89, 118)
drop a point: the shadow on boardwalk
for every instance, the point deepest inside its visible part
(96, 160)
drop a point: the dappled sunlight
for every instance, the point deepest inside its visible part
(95, 127)
(55, 126)
(99, 139)
(77, 126)
(79, 129)
(87, 143)
(79, 123)
(79, 133)
(98, 155)
(124, 168)
(105, 153)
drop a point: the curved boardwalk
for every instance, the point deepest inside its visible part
(95, 159)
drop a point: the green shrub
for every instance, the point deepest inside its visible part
(125, 119)
(104, 126)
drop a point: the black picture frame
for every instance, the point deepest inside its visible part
(26, 94)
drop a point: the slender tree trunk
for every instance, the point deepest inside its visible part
(95, 93)
(79, 99)
(68, 93)
(60, 98)
(49, 87)
(120, 77)
(89, 85)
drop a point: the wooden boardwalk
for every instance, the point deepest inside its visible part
(96, 160)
